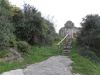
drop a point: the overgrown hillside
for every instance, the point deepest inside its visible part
(23, 27)
(83, 65)
(89, 36)
(85, 51)
(36, 54)
(25, 36)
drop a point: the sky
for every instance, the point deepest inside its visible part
(60, 11)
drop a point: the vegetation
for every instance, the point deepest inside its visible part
(23, 47)
(31, 27)
(23, 25)
(6, 27)
(37, 54)
(83, 65)
(3, 53)
(86, 52)
(33, 36)
(27, 32)
(89, 36)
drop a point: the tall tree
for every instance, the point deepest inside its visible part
(6, 27)
(90, 33)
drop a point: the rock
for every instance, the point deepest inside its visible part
(14, 72)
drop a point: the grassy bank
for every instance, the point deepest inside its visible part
(37, 54)
(83, 65)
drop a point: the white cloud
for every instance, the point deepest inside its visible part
(64, 10)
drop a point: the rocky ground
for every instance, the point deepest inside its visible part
(56, 65)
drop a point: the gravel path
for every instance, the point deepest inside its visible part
(56, 65)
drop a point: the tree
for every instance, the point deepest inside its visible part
(31, 27)
(89, 36)
(6, 27)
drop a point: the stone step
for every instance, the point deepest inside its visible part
(66, 51)
(68, 47)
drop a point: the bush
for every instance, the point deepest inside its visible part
(89, 35)
(3, 53)
(85, 52)
(83, 65)
(23, 46)
(12, 41)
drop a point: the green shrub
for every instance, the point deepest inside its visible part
(3, 53)
(23, 46)
(12, 41)
(82, 64)
(89, 35)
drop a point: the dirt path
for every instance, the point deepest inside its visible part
(56, 65)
